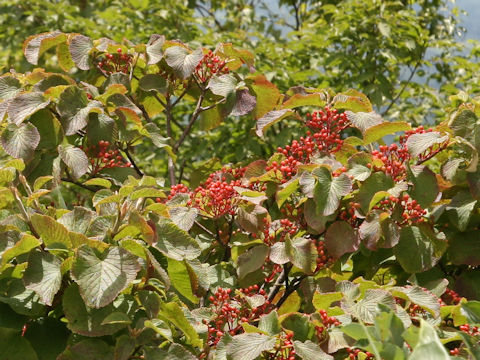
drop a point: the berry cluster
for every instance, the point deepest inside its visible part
(455, 351)
(103, 157)
(412, 212)
(215, 198)
(471, 330)
(209, 66)
(431, 151)
(117, 62)
(178, 189)
(233, 310)
(323, 259)
(393, 160)
(354, 353)
(450, 297)
(278, 230)
(283, 348)
(327, 323)
(325, 135)
(349, 214)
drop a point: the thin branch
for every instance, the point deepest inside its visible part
(278, 284)
(79, 184)
(184, 92)
(132, 161)
(171, 165)
(196, 113)
(202, 8)
(394, 100)
(204, 228)
(297, 15)
(293, 287)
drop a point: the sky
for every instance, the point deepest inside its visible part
(471, 21)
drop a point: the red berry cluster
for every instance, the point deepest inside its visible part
(431, 151)
(283, 348)
(455, 351)
(276, 269)
(450, 297)
(354, 353)
(412, 212)
(117, 62)
(471, 330)
(323, 259)
(210, 65)
(215, 198)
(103, 157)
(233, 310)
(349, 214)
(327, 322)
(177, 189)
(393, 158)
(325, 135)
(277, 231)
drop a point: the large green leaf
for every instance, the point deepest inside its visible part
(88, 321)
(182, 61)
(36, 45)
(222, 85)
(429, 346)
(471, 310)
(341, 238)
(249, 346)
(328, 191)
(419, 296)
(173, 313)
(75, 159)
(310, 351)
(74, 108)
(364, 120)
(24, 105)
(101, 277)
(271, 118)
(464, 248)
(418, 143)
(367, 308)
(89, 349)
(43, 275)
(20, 141)
(461, 209)
(15, 347)
(53, 234)
(9, 87)
(251, 260)
(425, 186)
(79, 47)
(378, 181)
(377, 132)
(176, 243)
(12, 244)
(154, 48)
(302, 253)
(419, 248)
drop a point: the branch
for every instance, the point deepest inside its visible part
(196, 113)
(297, 15)
(79, 184)
(293, 287)
(394, 100)
(202, 8)
(132, 161)
(278, 283)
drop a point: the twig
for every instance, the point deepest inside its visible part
(132, 161)
(278, 284)
(196, 113)
(202, 8)
(293, 287)
(86, 187)
(204, 228)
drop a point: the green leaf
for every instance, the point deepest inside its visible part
(50, 129)
(15, 347)
(378, 181)
(285, 191)
(24, 105)
(266, 93)
(367, 308)
(12, 245)
(182, 279)
(20, 141)
(124, 347)
(271, 118)
(176, 243)
(79, 48)
(154, 82)
(471, 310)
(160, 327)
(419, 249)
(89, 349)
(299, 100)
(310, 351)
(464, 248)
(251, 260)
(419, 143)
(36, 45)
(364, 120)
(341, 238)
(173, 313)
(101, 127)
(352, 100)
(43, 275)
(418, 296)
(322, 301)
(74, 108)
(53, 234)
(182, 61)
(269, 323)
(75, 159)
(99, 182)
(425, 186)
(328, 191)
(461, 209)
(429, 346)
(278, 253)
(378, 131)
(222, 85)
(183, 217)
(101, 277)
(249, 346)
(244, 103)
(302, 253)
(154, 49)
(463, 122)
(9, 87)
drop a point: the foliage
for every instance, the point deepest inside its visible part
(336, 245)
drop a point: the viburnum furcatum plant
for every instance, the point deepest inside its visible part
(356, 239)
